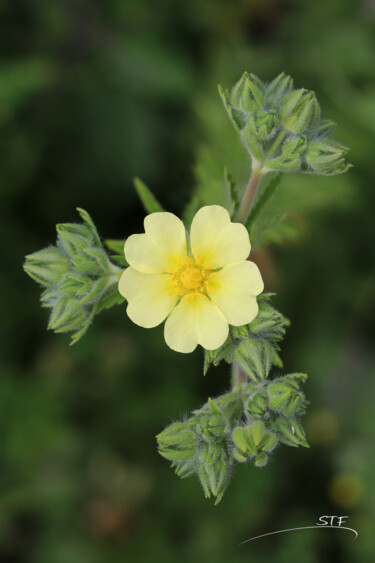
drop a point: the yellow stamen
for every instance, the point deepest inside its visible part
(191, 278)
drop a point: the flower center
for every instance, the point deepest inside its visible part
(191, 277)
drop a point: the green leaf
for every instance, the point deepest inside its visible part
(149, 201)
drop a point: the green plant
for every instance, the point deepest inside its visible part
(282, 130)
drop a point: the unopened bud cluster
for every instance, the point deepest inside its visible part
(281, 127)
(78, 276)
(241, 426)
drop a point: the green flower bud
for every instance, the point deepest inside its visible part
(263, 124)
(210, 451)
(327, 157)
(237, 117)
(248, 93)
(47, 266)
(255, 357)
(73, 237)
(252, 145)
(289, 432)
(323, 128)
(67, 315)
(299, 110)
(279, 87)
(294, 146)
(257, 406)
(177, 442)
(214, 478)
(283, 164)
(289, 103)
(78, 275)
(284, 397)
(208, 426)
(251, 441)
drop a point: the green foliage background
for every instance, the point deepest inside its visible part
(92, 94)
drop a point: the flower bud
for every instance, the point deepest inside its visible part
(257, 406)
(47, 266)
(73, 237)
(251, 143)
(279, 87)
(299, 110)
(248, 93)
(327, 157)
(67, 314)
(214, 478)
(284, 397)
(177, 442)
(252, 441)
(283, 164)
(289, 432)
(294, 146)
(323, 128)
(78, 275)
(263, 124)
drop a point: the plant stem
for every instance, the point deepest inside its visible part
(254, 181)
(248, 196)
(239, 376)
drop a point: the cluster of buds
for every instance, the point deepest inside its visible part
(254, 347)
(281, 127)
(78, 277)
(244, 425)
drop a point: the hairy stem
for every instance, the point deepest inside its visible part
(248, 196)
(238, 376)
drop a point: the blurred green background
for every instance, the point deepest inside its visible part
(91, 94)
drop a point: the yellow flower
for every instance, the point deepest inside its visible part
(201, 287)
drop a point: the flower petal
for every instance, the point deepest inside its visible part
(216, 239)
(157, 250)
(195, 320)
(234, 290)
(150, 297)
